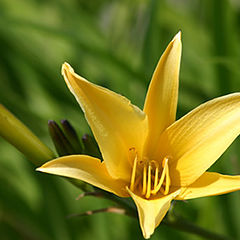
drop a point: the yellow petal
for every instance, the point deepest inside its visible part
(161, 101)
(151, 212)
(210, 184)
(87, 169)
(198, 139)
(116, 124)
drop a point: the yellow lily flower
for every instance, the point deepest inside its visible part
(147, 154)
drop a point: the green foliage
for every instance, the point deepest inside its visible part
(115, 44)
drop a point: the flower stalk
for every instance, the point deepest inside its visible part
(21, 137)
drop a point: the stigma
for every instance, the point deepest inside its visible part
(149, 177)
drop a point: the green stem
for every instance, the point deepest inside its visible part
(185, 226)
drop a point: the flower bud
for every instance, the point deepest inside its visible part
(61, 143)
(72, 136)
(90, 146)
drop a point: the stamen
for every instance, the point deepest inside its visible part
(164, 162)
(158, 187)
(133, 174)
(167, 181)
(149, 182)
(144, 188)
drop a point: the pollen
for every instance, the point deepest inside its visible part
(149, 177)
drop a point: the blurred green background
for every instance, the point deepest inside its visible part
(115, 44)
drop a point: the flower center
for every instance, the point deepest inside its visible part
(149, 176)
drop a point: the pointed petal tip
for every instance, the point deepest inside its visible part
(179, 34)
(178, 37)
(39, 169)
(43, 168)
(65, 67)
(68, 72)
(65, 64)
(147, 236)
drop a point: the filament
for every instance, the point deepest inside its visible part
(148, 193)
(133, 174)
(144, 187)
